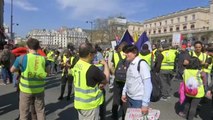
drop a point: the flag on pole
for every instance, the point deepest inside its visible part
(126, 38)
(135, 37)
(143, 40)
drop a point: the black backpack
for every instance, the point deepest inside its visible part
(156, 84)
(121, 69)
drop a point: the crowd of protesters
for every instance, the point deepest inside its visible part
(90, 68)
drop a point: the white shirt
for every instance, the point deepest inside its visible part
(138, 86)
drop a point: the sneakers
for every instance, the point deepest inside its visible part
(3, 84)
(181, 114)
(163, 98)
(168, 97)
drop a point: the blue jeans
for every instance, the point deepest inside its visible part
(15, 79)
(6, 74)
(52, 67)
(133, 103)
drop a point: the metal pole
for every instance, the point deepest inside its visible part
(91, 29)
(11, 21)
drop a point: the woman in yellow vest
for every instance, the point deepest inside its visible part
(203, 57)
(194, 88)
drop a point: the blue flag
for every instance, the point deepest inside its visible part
(126, 38)
(143, 40)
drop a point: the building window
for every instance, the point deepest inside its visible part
(178, 19)
(185, 18)
(165, 22)
(192, 26)
(172, 21)
(155, 24)
(150, 25)
(184, 27)
(154, 32)
(159, 31)
(177, 28)
(149, 32)
(164, 30)
(160, 23)
(171, 29)
(193, 17)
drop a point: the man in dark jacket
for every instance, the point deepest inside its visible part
(184, 54)
(5, 63)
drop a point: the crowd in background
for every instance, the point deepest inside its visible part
(168, 62)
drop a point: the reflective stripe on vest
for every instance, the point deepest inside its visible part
(209, 69)
(86, 97)
(33, 78)
(196, 74)
(168, 60)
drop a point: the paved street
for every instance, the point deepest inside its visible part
(64, 110)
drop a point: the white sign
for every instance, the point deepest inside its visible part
(176, 39)
(135, 114)
(113, 43)
(163, 40)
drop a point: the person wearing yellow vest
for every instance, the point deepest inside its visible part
(155, 51)
(51, 61)
(194, 88)
(96, 61)
(146, 55)
(118, 84)
(88, 82)
(203, 57)
(66, 74)
(166, 71)
(32, 81)
(210, 89)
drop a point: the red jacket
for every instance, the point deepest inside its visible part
(23, 50)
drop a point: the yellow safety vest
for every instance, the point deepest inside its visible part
(168, 60)
(50, 56)
(153, 54)
(86, 97)
(201, 57)
(147, 58)
(188, 73)
(33, 78)
(116, 58)
(64, 62)
(209, 69)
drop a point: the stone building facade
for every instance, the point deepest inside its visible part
(194, 24)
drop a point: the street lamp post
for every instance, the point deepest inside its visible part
(91, 23)
(11, 21)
